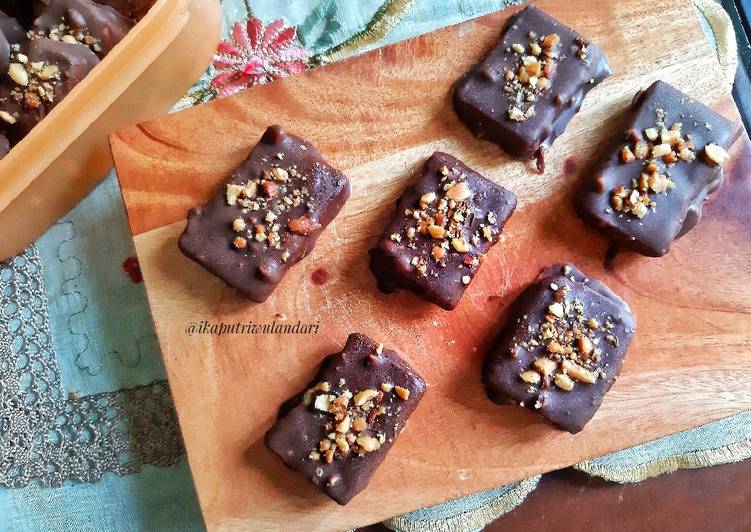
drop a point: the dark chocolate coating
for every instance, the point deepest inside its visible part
(21, 10)
(4, 145)
(300, 428)
(11, 32)
(570, 410)
(392, 262)
(85, 18)
(482, 103)
(74, 62)
(133, 9)
(678, 210)
(256, 270)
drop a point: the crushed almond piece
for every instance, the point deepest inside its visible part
(715, 155)
(564, 382)
(401, 393)
(304, 225)
(459, 192)
(364, 396)
(368, 443)
(545, 366)
(578, 372)
(556, 309)
(460, 245)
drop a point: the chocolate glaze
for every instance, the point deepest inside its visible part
(4, 145)
(482, 104)
(11, 32)
(570, 410)
(21, 10)
(392, 262)
(99, 26)
(133, 9)
(74, 63)
(256, 270)
(677, 211)
(300, 428)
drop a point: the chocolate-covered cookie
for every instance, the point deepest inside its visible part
(562, 348)
(340, 429)
(268, 216)
(649, 188)
(41, 73)
(441, 230)
(525, 92)
(97, 26)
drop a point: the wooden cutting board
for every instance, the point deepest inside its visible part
(378, 117)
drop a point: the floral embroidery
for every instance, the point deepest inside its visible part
(257, 54)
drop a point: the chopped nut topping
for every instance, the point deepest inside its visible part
(545, 366)
(459, 192)
(564, 382)
(18, 74)
(572, 349)
(578, 372)
(368, 443)
(460, 245)
(239, 225)
(627, 156)
(436, 231)
(401, 393)
(322, 402)
(715, 155)
(240, 242)
(427, 199)
(7, 117)
(664, 146)
(360, 424)
(532, 74)
(353, 432)
(364, 396)
(531, 377)
(304, 225)
(556, 309)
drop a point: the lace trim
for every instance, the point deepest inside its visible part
(50, 438)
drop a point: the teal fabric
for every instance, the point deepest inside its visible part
(103, 340)
(155, 499)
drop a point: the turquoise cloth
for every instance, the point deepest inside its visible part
(87, 318)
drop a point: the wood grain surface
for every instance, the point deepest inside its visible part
(378, 117)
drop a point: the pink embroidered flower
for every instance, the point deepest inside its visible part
(257, 55)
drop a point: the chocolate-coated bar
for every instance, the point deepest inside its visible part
(268, 216)
(338, 431)
(525, 92)
(442, 229)
(562, 348)
(649, 188)
(97, 26)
